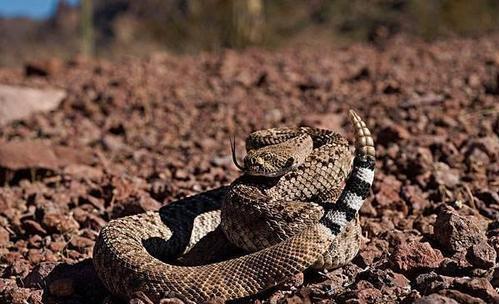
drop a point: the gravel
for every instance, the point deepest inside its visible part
(135, 134)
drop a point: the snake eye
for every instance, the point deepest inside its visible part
(290, 162)
(267, 157)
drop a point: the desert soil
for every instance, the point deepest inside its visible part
(136, 134)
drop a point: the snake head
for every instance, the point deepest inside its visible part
(265, 162)
(276, 159)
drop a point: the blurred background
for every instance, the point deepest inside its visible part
(35, 29)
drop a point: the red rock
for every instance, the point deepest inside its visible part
(113, 143)
(89, 233)
(446, 151)
(35, 241)
(181, 174)
(488, 196)
(383, 280)
(425, 224)
(482, 255)
(77, 278)
(389, 189)
(369, 295)
(18, 267)
(431, 282)
(295, 300)
(392, 133)
(94, 221)
(74, 254)
(57, 246)
(19, 155)
(425, 99)
(68, 155)
(37, 277)
(417, 163)
(123, 188)
(33, 227)
(4, 237)
(330, 121)
(375, 228)
(87, 219)
(372, 251)
(134, 204)
(414, 197)
(83, 172)
(489, 145)
(435, 299)
(455, 232)
(159, 190)
(11, 257)
(401, 281)
(35, 256)
(478, 158)
(5, 200)
(58, 222)
(477, 287)
(81, 242)
(409, 257)
(80, 215)
(361, 73)
(444, 175)
(340, 277)
(474, 81)
(457, 262)
(462, 297)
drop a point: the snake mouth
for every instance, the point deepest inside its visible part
(266, 174)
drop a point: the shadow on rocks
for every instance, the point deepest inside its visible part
(74, 283)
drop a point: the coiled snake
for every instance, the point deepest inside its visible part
(295, 207)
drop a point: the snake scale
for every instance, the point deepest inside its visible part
(295, 207)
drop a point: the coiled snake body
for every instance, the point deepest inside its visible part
(290, 210)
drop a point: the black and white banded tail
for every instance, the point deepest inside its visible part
(359, 182)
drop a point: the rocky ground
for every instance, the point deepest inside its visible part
(136, 134)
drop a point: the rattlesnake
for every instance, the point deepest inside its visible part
(286, 217)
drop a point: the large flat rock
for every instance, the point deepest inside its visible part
(20, 102)
(39, 154)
